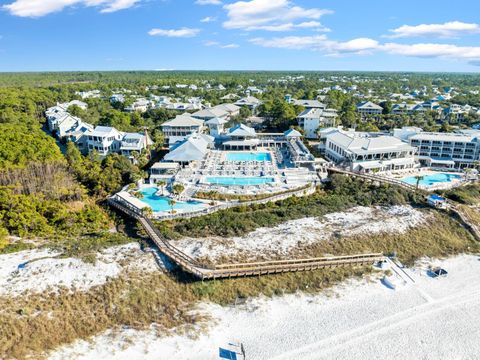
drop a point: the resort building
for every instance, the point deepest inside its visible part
(447, 150)
(369, 108)
(241, 137)
(250, 102)
(364, 152)
(211, 113)
(307, 104)
(216, 126)
(117, 98)
(239, 161)
(163, 171)
(455, 113)
(104, 139)
(140, 105)
(192, 148)
(134, 142)
(312, 119)
(181, 127)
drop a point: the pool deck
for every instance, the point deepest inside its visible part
(427, 172)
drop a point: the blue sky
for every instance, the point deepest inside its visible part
(371, 35)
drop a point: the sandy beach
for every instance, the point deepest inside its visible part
(423, 318)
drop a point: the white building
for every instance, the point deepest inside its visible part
(307, 104)
(117, 98)
(140, 105)
(363, 152)
(216, 126)
(312, 119)
(180, 127)
(104, 139)
(192, 148)
(447, 150)
(455, 113)
(369, 108)
(250, 102)
(163, 171)
(134, 142)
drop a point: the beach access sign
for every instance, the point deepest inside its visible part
(227, 354)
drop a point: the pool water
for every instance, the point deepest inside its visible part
(160, 203)
(248, 156)
(239, 180)
(429, 180)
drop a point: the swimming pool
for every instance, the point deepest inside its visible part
(160, 203)
(221, 180)
(248, 156)
(429, 180)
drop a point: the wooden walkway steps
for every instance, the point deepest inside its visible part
(205, 272)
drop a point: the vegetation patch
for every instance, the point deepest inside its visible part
(342, 193)
(215, 195)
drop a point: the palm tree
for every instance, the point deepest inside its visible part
(178, 189)
(172, 203)
(419, 178)
(147, 211)
(162, 184)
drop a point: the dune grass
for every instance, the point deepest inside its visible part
(31, 325)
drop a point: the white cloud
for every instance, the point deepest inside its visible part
(362, 46)
(230, 46)
(446, 30)
(269, 15)
(208, 2)
(211, 43)
(208, 19)
(469, 53)
(38, 8)
(320, 43)
(217, 44)
(178, 33)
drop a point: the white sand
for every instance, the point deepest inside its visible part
(285, 237)
(46, 270)
(427, 319)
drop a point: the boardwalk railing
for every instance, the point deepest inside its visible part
(275, 197)
(462, 215)
(204, 272)
(372, 177)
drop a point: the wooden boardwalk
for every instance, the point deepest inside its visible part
(205, 272)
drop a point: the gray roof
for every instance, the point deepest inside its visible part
(292, 133)
(216, 121)
(249, 100)
(242, 130)
(316, 113)
(309, 103)
(445, 136)
(192, 148)
(368, 105)
(210, 113)
(183, 120)
(368, 144)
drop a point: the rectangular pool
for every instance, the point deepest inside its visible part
(248, 156)
(221, 180)
(160, 203)
(429, 180)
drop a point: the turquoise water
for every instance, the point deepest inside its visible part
(160, 203)
(429, 180)
(248, 156)
(239, 180)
